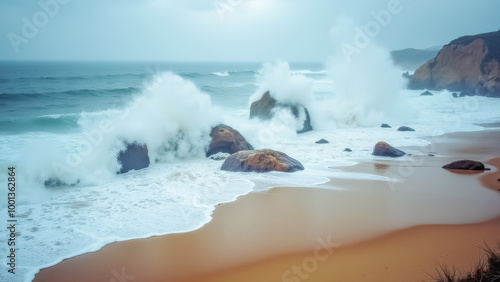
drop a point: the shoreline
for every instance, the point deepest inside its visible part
(234, 240)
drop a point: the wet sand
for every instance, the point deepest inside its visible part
(411, 254)
(362, 230)
(492, 180)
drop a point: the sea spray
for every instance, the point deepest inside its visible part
(173, 117)
(365, 90)
(170, 115)
(284, 85)
(368, 87)
(287, 87)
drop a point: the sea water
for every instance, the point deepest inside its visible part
(62, 125)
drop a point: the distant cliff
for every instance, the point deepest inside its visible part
(410, 58)
(469, 63)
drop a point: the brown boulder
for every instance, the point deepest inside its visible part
(134, 157)
(469, 63)
(263, 109)
(383, 149)
(226, 139)
(261, 161)
(465, 165)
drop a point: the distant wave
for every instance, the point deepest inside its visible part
(251, 72)
(218, 73)
(190, 74)
(76, 77)
(76, 92)
(47, 123)
(11, 97)
(309, 72)
(221, 73)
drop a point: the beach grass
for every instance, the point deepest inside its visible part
(485, 270)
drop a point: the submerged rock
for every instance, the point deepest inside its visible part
(322, 141)
(134, 157)
(383, 149)
(54, 183)
(226, 139)
(405, 128)
(454, 94)
(466, 93)
(219, 156)
(263, 109)
(465, 165)
(427, 93)
(261, 161)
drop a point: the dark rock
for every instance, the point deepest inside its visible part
(219, 156)
(53, 182)
(454, 94)
(481, 89)
(261, 161)
(134, 157)
(347, 150)
(498, 179)
(385, 125)
(405, 128)
(426, 93)
(385, 150)
(430, 155)
(466, 93)
(263, 109)
(226, 139)
(465, 165)
(56, 183)
(322, 141)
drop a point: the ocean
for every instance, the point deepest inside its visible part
(62, 125)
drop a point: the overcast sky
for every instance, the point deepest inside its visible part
(227, 30)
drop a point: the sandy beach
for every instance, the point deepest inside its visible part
(363, 230)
